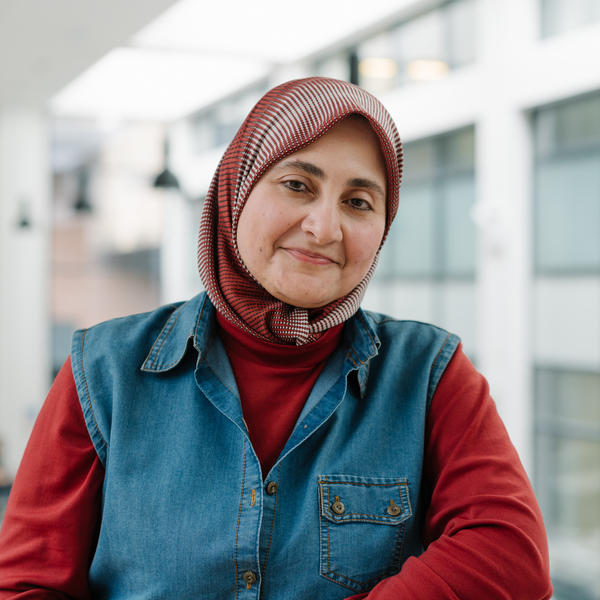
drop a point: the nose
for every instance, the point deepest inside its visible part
(322, 221)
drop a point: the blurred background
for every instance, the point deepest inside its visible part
(113, 116)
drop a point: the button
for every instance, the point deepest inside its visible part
(338, 506)
(249, 578)
(272, 488)
(393, 509)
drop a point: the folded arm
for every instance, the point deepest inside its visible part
(483, 531)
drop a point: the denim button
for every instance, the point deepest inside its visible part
(393, 509)
(249, 578)
(338, 506)
(271, 487)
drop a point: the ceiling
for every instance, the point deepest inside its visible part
(97, 64)
(161, 59)
(44, 45)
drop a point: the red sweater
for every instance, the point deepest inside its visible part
(483, 531)
(265, 372)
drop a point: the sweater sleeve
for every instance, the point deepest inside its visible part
(483, 530)
(51, 523)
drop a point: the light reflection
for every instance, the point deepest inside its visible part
(378, 67)
(427, 69)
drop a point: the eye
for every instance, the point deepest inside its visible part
(359, 204)
(294, 185)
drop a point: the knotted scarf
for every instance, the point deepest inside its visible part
(286, 119)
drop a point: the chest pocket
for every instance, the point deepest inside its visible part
(363, 521)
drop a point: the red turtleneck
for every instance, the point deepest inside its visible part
(274, 382)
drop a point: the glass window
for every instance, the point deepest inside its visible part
(409, 249)
(424, 48)
(433, 235)
(458, 244)
(562, 15)
(568, 214)
(567, 187)
(571, 125)
(568, 476)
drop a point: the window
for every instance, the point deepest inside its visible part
(567, 434)
(424, 48)
(567, 187)
(433, 235)
(559, 16)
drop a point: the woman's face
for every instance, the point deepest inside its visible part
(311, 226)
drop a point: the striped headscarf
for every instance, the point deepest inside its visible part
(286, 119)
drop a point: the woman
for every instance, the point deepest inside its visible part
(269, 438)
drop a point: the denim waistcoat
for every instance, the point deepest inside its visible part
(186, 511)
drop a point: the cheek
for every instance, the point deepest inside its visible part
(364, 244)
(260, 232)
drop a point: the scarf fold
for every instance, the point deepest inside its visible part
(289, 117)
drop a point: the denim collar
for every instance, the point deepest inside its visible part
(195, 320)
(192, 320)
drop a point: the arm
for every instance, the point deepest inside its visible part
(483, 530)
(50, 527)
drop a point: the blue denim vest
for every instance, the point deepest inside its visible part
(186, 510)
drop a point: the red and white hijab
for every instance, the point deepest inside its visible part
(286, 119)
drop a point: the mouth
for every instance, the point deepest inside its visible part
(309, 257)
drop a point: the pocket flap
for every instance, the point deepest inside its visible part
(351, 499)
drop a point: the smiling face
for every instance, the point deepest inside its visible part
(312, 225)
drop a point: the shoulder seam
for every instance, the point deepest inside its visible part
(87, 393)
(434, 364)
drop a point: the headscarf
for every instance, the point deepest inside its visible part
(286, 119)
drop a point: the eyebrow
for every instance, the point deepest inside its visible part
(367, 184)
(307, 167)
(312, 169)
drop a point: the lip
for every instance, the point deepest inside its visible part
(310, 257)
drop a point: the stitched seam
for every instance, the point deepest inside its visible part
(405, 483)
(198, 322)
(87, 393)
(407, 496)
(437, 356)
(270, 534)
(356, 362)
(350, 587)
(367, 581)
(378, 518)
(399, 548)
(399, 552)
(158, 340)
(406, 507)
(237, 527)
(433, 366)
(321, 569)
(368, 332)
(165, 333)
(328, 546)
(177, 360)
(351, 357)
